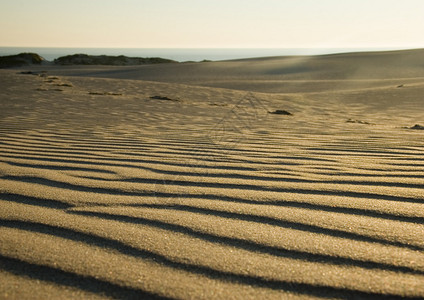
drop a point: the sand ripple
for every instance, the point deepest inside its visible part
(154, 203)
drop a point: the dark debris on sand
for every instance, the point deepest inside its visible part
(416, 127)
(280, 112)
(105, 93)
(164, 98)
(358, 122)
(40, 74)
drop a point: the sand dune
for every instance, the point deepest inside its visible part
(288, 74)
(175, 181)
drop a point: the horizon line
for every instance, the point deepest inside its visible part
(300, 47)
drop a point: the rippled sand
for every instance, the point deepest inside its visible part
(187, 187)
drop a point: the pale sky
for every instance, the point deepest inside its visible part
(212, 23)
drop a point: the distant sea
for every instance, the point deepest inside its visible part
(184, 54)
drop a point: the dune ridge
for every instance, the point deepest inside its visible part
(109, 190)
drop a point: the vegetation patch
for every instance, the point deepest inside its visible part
(19, 60)
(84, 59)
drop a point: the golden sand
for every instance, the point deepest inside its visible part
(175, 181)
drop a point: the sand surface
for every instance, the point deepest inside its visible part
(175, 181)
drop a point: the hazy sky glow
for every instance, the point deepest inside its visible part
(212, 23)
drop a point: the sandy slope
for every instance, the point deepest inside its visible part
(277, 74)
(107, 192)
